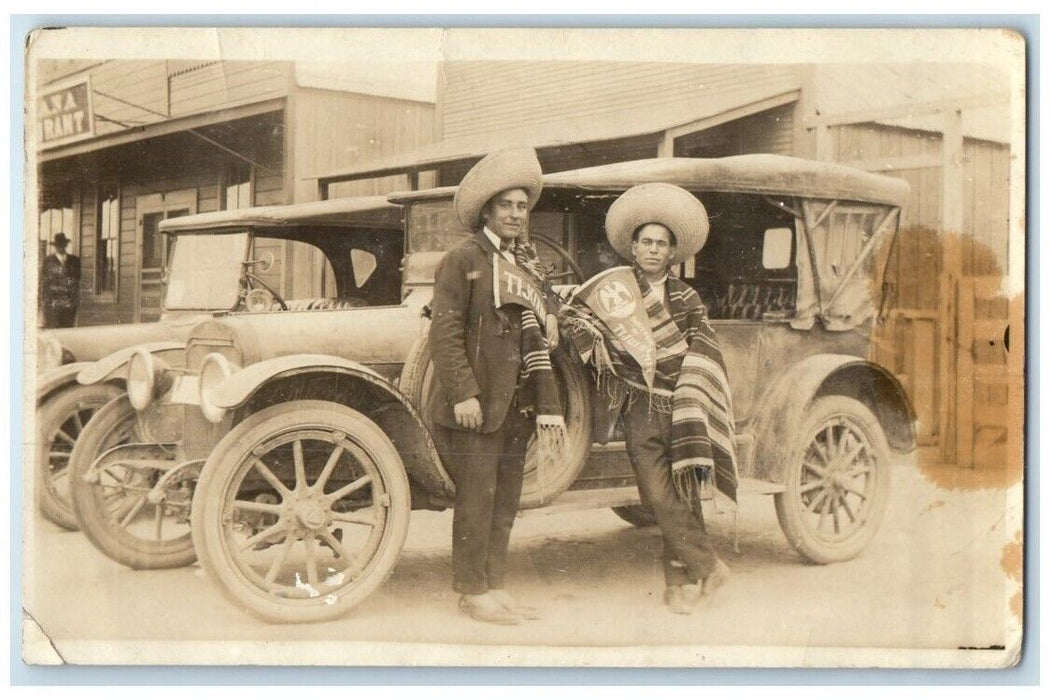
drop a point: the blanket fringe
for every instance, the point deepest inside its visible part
(550, 441)
(688, 483)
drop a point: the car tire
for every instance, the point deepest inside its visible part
(257, 542)
(60, 420)
(837, 483)
(417, 383)
(111, 511)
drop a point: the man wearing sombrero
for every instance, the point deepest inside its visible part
(60, 285)
(668, 371)
(494, 382)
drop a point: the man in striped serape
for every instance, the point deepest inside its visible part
(678, 421)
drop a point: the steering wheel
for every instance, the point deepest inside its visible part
(253, 280)
(574, 268)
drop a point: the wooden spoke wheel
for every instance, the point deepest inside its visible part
(301, 511)
(60, 420)
(838, 481)
(111, 494)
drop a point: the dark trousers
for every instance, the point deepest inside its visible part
(59, 318)
(688, 556)
(487, 469)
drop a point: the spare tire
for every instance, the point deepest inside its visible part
(417, 382)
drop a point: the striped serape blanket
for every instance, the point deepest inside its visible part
(690, 380)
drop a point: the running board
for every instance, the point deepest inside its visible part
(628, 495)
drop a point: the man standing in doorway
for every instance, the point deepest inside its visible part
(60, 285)
(494, 384)
(677, 413)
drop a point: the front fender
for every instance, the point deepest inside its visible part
(111, 366)
(356, 386)
(782, 408)
(239, 386)
(55, 379)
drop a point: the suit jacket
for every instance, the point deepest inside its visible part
(476, 348)
(60, 283)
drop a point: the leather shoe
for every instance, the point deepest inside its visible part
(679, 600)
(484, 608)
(526, 612)
(716, 579)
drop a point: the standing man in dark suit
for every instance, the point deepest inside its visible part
(483, 410)
(60, 285)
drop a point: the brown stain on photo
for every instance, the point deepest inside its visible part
(1012, 562)
(939, 503)
(955, 339)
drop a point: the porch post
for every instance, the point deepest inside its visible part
(956, 362)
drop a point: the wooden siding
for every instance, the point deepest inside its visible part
(88, 232)
(134, 93)
(227, 84)
(332, 130)
(115, 84)
(487, 96)
(986, 167)
(51, 70)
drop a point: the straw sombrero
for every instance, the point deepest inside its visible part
(496, 172)
(658, 203)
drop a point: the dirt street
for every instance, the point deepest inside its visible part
(932, 579)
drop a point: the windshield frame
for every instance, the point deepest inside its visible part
(455, 232)
(249, 235)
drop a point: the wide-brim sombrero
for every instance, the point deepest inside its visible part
(658, 203)
(496, 172)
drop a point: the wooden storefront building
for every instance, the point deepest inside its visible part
(122, 145)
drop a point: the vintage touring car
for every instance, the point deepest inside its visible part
(310, 460)
(205, 276)
(64, 406)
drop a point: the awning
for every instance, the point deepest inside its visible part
(617, 125)
(161, 128)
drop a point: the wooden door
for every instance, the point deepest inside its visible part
(153, 248)
(982, 404)
(908, 344)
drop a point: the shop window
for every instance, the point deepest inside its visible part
(107, 241)
(58, 218)
(237, 193)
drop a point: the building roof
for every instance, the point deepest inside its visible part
(350, 211)
(555, 133)
(757, 174)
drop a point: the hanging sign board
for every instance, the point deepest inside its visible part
(64, 114)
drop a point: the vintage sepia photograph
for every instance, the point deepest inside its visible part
(524, 347)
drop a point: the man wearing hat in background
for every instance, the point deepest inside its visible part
(494, 384)
(60, 285)
(677, 417)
